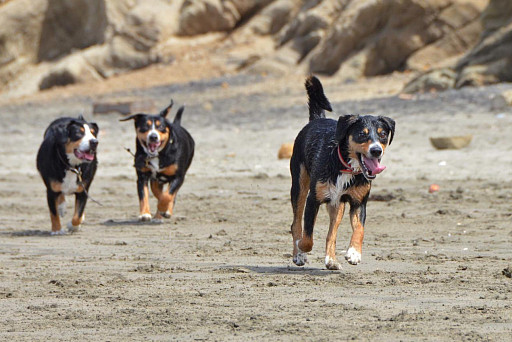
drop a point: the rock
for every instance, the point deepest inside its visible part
(285, 151)
(455, 142)
(198, 17)
(502, 101)
(69, 25)
(274, 17)
(440, 79)
(72, 69)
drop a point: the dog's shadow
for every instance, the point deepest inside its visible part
(281, 270)
(134, 222)
(28, 232)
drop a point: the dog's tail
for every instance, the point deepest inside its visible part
(177, 118)
(317, 101)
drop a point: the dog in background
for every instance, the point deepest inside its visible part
(164, 152)
(334, 162)
(67, 163)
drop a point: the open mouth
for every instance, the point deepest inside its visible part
(84, 155)
(370, 166)
(152, 147)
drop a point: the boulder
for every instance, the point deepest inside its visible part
(439, 79)
(70, 70)
(198, 17)
(69, 25)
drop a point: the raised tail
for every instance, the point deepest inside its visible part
(177, 118)
(317, 101)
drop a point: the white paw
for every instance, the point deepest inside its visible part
(165, 214)
(72, 229)
(300, 259)
(58, 232)
(332, 263)
(62, 209)
(145, 217)
(353, 257)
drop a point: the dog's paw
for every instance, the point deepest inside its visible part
(165, 214)
(145, 217)
(332, 263)
(62, 209)
(58, 232)
(72, 229)
(352, 256)
(300, 258)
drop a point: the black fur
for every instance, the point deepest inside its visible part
(52, 162)
(179, 150)
(316, 150)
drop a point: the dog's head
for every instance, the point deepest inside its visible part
(153, 131)
(79, 139)
(365, 139)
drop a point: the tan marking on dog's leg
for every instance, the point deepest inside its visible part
(165, 200)
(335, 215)
(304, 182)
(355, 249)
(76, 221)
(145, 214)
(56, 186)
(169, 170)
(55, 219)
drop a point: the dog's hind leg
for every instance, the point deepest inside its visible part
(299, 193)
(79, 214)
(335, 215)
(305, 244)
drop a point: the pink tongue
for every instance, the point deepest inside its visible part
(373, 165)
(89, 156)
(153, 147)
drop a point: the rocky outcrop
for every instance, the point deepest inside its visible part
(490, 61)
(50, 42)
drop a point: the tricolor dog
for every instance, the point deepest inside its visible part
(334, 162)
(163, 155)
(67, 163)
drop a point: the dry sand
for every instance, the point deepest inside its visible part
(221, 268)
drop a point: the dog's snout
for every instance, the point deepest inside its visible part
(376, 151)
(153, 137)
(93, 143)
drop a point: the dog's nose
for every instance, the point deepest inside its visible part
(93, 143)
(376, 151)
(153, 137)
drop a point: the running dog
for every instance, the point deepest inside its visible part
(67, 163)
(164, 152)
(334, 162)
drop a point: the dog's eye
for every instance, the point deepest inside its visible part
(363, 134)
(383, 134)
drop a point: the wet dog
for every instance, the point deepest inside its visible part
(164, 152)
(334, 162)
(67, 163)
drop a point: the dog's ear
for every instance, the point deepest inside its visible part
(81, 117)
(166, 110)
(344, 123)
(390, 123)
(94, 127)
(133, 116)
(60, 134)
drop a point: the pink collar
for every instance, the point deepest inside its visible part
(348, 168)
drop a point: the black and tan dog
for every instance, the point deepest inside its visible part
(163, 155)
(334, 163)
(67, 163)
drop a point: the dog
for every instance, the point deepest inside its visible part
(67, 162)
(164, 152)
(334, 163)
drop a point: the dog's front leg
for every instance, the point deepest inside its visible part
(143, 192)
(79, 214)
(54, 200)
(335, 216)
(357, 219)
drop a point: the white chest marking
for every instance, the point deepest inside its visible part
(69, 185)
(335, 191)
(154, 165)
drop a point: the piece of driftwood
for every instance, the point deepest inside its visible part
(124, 107)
